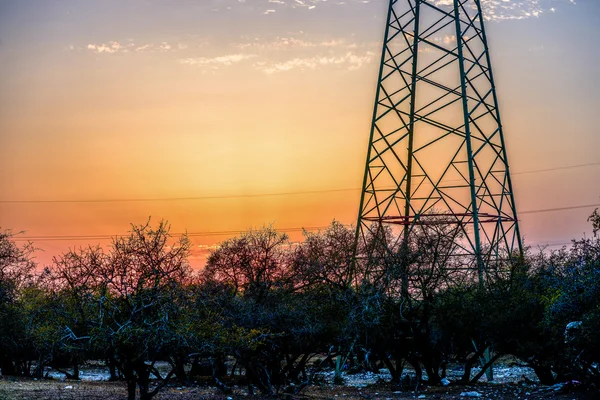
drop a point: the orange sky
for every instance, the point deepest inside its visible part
(141, 100)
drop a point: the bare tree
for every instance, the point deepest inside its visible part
(137, 312)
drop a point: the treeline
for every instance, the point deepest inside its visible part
(277, 307)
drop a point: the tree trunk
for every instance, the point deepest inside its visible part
(485, 367)
(433, 374)
(544, 374)
(259, 375)
(414, 362)
(180, 370)
(295, 370)
(112, 367)
(142, 372)
(395, 372)
(130, 387)
(143, 386)
(76, 369)
(469, 362)
(127, 370)
(233, 369)
(8, 367)
(221, 366)
(217, 377)
(39, 369)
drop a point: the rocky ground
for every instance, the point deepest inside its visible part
(511, 381)
(54, 390)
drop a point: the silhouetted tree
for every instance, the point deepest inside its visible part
(16, 275)
(137, 317)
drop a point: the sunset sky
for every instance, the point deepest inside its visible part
(223, 115)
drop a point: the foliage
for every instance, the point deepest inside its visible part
(273, 306)
(16, 277)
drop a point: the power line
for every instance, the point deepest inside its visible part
(556, 244)
(556, 168)
(240, 196)
(166, 199)
(190, 234)
(237, 232)
(558, 209)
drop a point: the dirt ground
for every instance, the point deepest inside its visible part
(512, 380)
(25, 389)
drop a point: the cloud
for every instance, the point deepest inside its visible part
(113, 47)
(310, 4)
(144, 47)
(290, 43)
(349, 61)
(498, 10)
(493, 9)
(217, 62)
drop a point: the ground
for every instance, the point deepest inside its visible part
(511, 381)
(26, 389)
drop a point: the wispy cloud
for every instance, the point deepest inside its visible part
(495, 10)
(215, 63)
(290, 43)
(349, 61)
(498, 10)
(113, 47)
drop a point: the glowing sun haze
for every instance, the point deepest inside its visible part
(227, 99)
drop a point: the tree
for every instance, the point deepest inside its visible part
(16, 274)
(138, 315)
(73, 281)
(282, 303)
(572, 282)
(325, 257)
(256, 268)
(252, 263)
(410, 273)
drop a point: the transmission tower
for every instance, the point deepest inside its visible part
(436, 152)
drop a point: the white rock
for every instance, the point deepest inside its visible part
(69, 387)
(445, 382)
(422, 396)
(574, 325)
(470, 394)
(557, 387)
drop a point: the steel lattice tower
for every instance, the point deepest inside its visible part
(436, 152)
